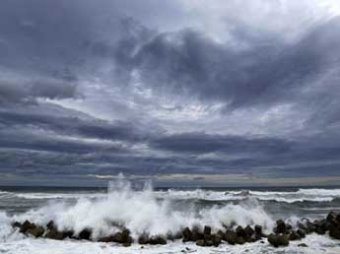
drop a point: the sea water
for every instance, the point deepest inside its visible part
(160, 212)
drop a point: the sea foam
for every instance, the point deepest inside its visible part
(143, 212)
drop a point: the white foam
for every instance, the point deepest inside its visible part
(286, 197)
(320, 192)
(37, 195)
(5, 226)
(297, 199)
(5, 194)
(199, 194)
(141, 212)
(7, 233)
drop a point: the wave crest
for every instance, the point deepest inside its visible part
(143, 212)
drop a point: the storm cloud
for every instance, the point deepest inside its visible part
(89, 89)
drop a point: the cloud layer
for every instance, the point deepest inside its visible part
(94, 88)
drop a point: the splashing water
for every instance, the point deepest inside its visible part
(141, 211)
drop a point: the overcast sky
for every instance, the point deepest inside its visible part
(186, 92)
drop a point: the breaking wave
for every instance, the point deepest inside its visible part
(302, 195)
(142, 212)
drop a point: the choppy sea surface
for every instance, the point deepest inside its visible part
(161, 211)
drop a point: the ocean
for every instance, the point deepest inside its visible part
(160, 211)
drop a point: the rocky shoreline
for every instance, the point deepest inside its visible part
(282, 234)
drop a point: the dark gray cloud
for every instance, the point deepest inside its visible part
(202, 143)
(269, 72)
(16, 139)
(36, 38)
(72, 125)
(150, 88)
(28, 91)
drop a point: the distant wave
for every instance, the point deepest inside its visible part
(320, 192)
(59, 195)
(301, 195)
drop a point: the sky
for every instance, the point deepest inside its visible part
(182, 92)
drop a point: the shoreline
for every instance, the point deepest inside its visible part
(283, 233)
